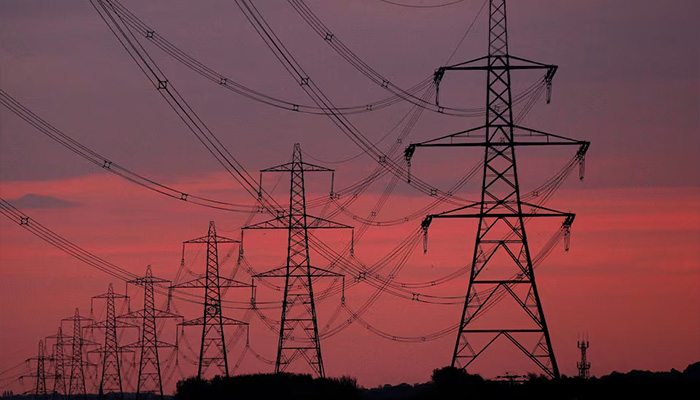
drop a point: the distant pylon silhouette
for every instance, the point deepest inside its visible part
(59, 365)
(502, 265)
(584, 366)
(76, 381)
(111, 378)
(213, 345)
(149, 380)
(298, 327)
(40, 373)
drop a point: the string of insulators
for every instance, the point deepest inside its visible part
(566, 227)
(408, 154)
(548, 79)
(424, 225)
(437, 77)
(581, 157)
(352, 242)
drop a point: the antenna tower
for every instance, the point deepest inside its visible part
(584, 366)
(502, 263)
(150, 379)
(213, 346)
(298, 327)
(111, 380)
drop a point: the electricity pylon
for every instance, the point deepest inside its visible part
(59, 365)
(213, 345)
(584, 366)
(76, 380)
(298, 326)
(150, 380)
(111, 379)
(40, 373)
(502, 263)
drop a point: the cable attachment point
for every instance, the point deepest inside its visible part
(149, 34)
(408, 154)
(437, 77)
(566, 227)
(548, 80)
(581, 157)
(424, 225)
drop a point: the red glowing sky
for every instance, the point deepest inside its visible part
(628, 82)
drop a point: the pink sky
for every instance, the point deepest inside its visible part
(628, 82)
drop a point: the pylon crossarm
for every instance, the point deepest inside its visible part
(280, 222)
(521, 131)
(105, 324)
(468, 133)
(201, 321)
(520, 63)
(537, 211)
(193, 284)
(201, 283)
(322, 223)
(219, 239)
(287, 167)
(137, 345)
(314, 272)
(165, 314)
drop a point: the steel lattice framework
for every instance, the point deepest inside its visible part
(298, 327)
(213, 345)
(40, 372)
(584, 366)
(111, 378)
(76, 381)
(502, 262)
(59, 364)
(150, 380)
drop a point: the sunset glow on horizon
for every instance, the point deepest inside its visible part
(630, 281)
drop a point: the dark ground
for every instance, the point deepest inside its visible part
(445, 384)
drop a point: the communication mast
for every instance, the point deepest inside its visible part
(298, 327)
(502, 264)
(584, 366)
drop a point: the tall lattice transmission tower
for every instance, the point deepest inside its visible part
(58, 361)
(76, 380)
(111, 377)
(150, 382)
(213, 345)
(298, 326)
(40, 375)
(502, 263)
(584, 366)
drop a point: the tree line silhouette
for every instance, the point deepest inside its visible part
(450, 383)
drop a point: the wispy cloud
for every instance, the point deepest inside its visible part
(32, 200)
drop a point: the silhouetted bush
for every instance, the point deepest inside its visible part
(264, 386)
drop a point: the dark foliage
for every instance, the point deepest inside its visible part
(451, 383)
(268, 386)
